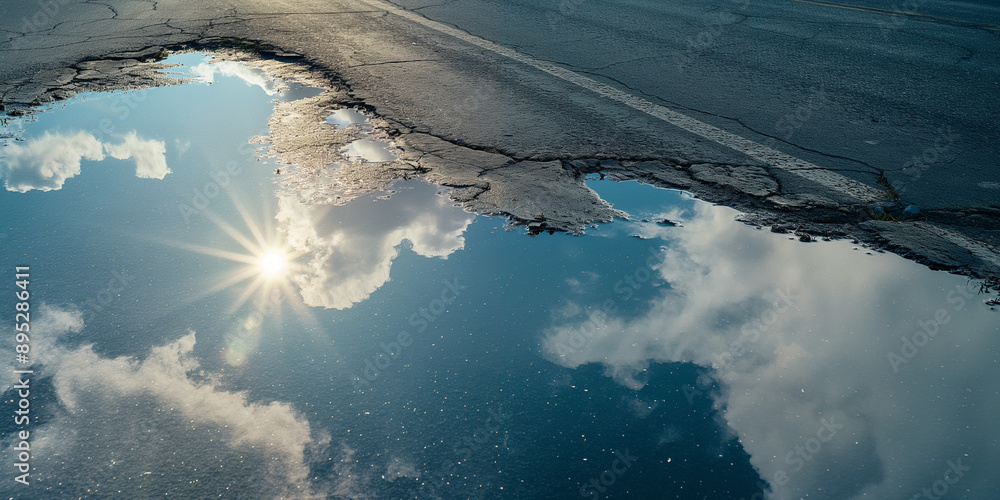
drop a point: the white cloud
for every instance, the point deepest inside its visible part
(641, 408)
(826, 357)
(46, 162)
(398, 468)
(161, 424)
(369, 150)
(252, 76)
(351, 483)
(568, 310)
(181, 146)
(669, 435)
(349, 249)
(584, 282)
(149, 154)
(49, 325)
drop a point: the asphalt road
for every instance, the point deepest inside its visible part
(814, 98)
(837, 85)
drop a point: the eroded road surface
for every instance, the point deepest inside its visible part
(818, 117)
(283, 266)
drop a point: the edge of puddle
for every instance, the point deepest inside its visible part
(481, 180)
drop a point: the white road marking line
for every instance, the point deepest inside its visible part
(837, 182)
(767, 155)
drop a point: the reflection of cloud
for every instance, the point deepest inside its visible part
(351, 248)
(346, 116)
(670, 435)
(640, 408)
(218, 440)
(46, 162)
(252, 76)
(149, 154)
(369, 150)
(584, 282)
(823, 358)
(351, 483)
(181, 146)
(54, 322)
(567, 310)
(398, 468)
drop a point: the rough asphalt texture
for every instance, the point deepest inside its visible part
(907, 101)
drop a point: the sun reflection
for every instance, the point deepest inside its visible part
(273, 263)
(268, 268)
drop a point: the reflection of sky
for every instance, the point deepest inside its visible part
(44, 163)
(369, 150)
(832, 316)
(207, 69)
(168, 384)
(345, 116)
(118, 374)
(348, 250)
(206, 72)
(136, 410)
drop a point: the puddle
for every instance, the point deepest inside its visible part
(365, 149)
(823, 338)
(186, 304)
(369, 150)
(345, 117)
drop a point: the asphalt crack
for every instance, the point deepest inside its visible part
(392, 62)
(110, 7)
(872, 168)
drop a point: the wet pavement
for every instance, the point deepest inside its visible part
(671, 348)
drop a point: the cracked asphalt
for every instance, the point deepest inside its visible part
(804, 114)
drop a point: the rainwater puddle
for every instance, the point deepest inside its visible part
(345, 117)
(369, 150)
(365, 149)
(185, 304)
